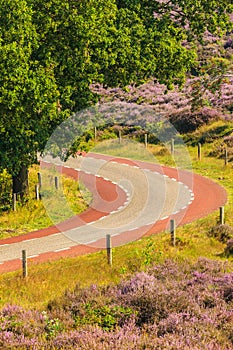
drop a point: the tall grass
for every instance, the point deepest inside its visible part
(33, 216)
(49, 280)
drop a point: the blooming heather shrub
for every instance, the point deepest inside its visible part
(228, 43)
(229, 247)
(222, 232)
(19, 321)
(228, 140)
(187, 122)
(176, 104)
(169, 306)
(219, 147)
(127, 337)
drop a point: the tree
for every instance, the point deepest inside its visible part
(46, 50)
(28, 94)
(52, 51)
(177, 29)
(75, 37)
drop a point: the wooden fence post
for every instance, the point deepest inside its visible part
(95, 133)
(173, 232)
(226, 156)
(56, 182)
(39, 179)
(172, 147)
(109, 249)
(146, 138)
(221, 216)
(119, 136)
(14, 201)
(37, 192)
(199, 151)
(24, 263)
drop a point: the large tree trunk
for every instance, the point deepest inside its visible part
(20, 182)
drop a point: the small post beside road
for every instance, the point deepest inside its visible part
(39, 179)
(173, 232)
(221, 216)
(226, 156)
(37, 192)
(56, 182)
(172, 147)
(109, 249)
(24, 263)
(95, 133)
(199, 151)
(14, 201)
(146, 139)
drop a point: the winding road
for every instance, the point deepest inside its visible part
(131, 199)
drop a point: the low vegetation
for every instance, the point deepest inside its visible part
(32, 215)
(169, 306)
(154, 296)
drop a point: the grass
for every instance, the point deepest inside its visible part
(33, 215)
(48, 281)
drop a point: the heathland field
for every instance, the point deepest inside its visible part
(153, 296)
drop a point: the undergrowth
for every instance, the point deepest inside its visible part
(153, 296)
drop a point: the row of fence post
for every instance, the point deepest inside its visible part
(109, 242)
(225, 155)
(38, 187)
(56, 181)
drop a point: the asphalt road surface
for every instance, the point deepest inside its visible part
(130, 199)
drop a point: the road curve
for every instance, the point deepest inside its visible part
(130, 199)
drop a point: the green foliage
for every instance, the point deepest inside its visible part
(194, 17)
(5, 190)
(53, 326)
(51, 51)
(28, 91)
(149, 253)
(213, 133)
(107, 317)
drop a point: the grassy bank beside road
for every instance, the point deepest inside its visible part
(49, 281)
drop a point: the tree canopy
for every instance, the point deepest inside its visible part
(52, 51)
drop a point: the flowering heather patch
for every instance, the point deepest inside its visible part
(206, 96)
(222, 232)
(176, 105)
(168, 306)
(220, 146)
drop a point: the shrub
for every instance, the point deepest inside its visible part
(222, 232)
(219, 148)
(229, 247)
(168, 306)
(187, 121)
(5, 190)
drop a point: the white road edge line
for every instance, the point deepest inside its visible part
(61, 249)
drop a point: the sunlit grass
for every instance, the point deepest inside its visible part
(49, 280)
(33, 215)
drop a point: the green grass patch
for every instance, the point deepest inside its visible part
(33, 215)
(48, 281)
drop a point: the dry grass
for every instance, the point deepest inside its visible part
(49, 280)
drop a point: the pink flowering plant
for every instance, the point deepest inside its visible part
(166, 306)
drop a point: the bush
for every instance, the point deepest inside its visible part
(188, 121)
(222, 232)
(221, 146)
(168, 306)
(5, 190)
(229, 248)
